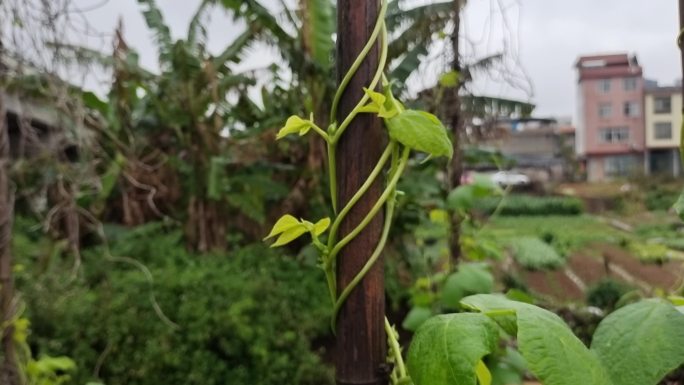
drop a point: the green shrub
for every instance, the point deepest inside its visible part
(606, 293)
(660, 198)
(516, 205)
(533, 253)
(244, 318)
(677, 244)
(649, 252)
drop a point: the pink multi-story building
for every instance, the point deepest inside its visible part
(610, 137)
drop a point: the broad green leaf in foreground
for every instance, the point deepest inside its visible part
(640, 343)
(554, 354)
(421, 131)
(447, 349)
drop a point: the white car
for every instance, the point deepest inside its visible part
(510, 178)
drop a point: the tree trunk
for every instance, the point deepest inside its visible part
(361, 341)
(456, 121)
(8, 374)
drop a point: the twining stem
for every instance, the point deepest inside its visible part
(320, 131)
(332, 175)
(373, 84)
(328, 261)
(374, 210)
(361, 191)
(379, 25)
(389, 213)
(395, 350)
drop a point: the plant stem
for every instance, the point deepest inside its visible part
(394, 346)
(320, 131)
(373, 84)
(369, 264)
(362, 190)
(359, 59)
(332, 175)
(374, 210)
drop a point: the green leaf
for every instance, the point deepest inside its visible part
(416, 317)
(294, 124)
(92, 101)
(449, 79)
(321, 226)
(162, 33)
(380, 104)
(484, 377)
(440, 217)
(471, 278)
(640, 343)
(285, 223)
(421, 131)
(554, 354)
(448, 348)
(679, 206)
(290, 235)
(318, 25)
(461, 199)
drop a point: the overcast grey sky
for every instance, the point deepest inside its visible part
(541, 38)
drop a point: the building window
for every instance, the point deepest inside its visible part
(631, 109)
(662, 130)
(662, 105)
(604, 85)
(630, 84)
(605, 110)
(614, 134)
(619, 165)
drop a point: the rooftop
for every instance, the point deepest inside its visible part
(608, 66)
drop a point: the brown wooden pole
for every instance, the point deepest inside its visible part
(361, 341)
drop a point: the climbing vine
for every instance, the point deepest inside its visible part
(407, 130)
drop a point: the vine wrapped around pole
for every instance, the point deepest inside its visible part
(363, 177)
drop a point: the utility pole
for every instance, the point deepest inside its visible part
(8, 368)
(456, 120)
(361, 342)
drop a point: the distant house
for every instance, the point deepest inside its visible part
(663, 106)
(536, 144)
(610, 138)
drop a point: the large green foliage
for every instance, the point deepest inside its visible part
(244, 318)
(447, 349)
(638, 344)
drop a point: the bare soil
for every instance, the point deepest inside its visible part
(598, 263)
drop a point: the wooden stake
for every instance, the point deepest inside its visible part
(361, 341)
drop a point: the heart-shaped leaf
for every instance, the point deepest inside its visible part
(640, 343)
(448, 349)
(555, 355)
(295, 124)
(421, 131)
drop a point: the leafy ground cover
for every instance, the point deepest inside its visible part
(592, 249)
